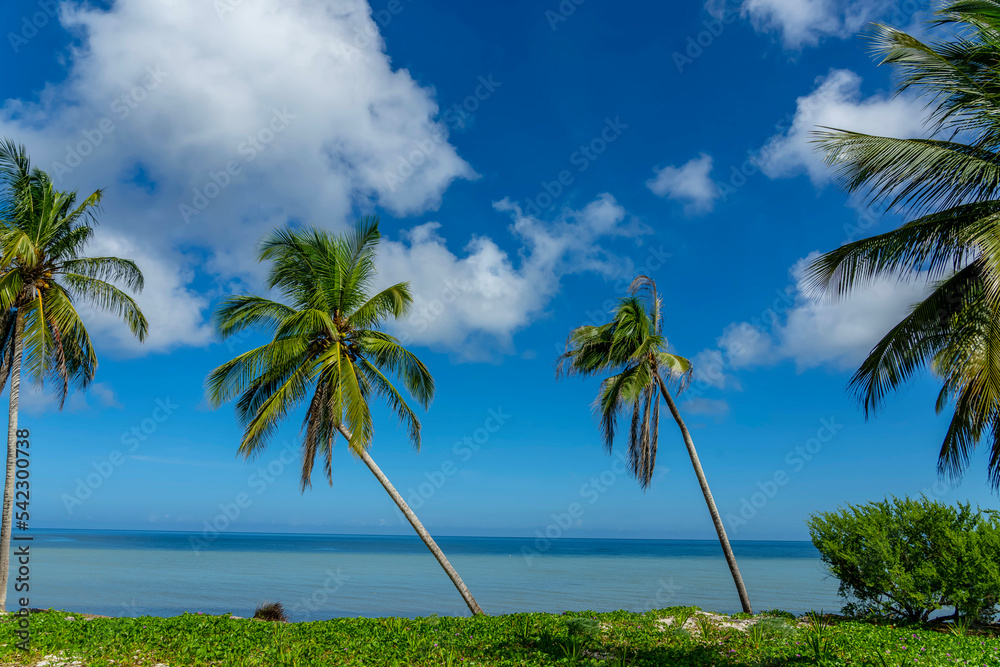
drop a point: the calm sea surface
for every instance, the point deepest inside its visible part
(323, 576)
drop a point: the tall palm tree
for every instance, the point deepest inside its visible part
(950, 185)
(632, 347)
(43, 276)
(326, 340)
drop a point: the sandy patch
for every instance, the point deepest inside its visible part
(718, 620)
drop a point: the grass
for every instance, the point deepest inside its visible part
(585, 639)
(270, 611)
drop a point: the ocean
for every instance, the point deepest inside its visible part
(123, 573)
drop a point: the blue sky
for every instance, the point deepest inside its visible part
(526, 159)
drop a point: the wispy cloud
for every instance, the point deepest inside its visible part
(179, 462)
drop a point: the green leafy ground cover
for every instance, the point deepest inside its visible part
(590, 639)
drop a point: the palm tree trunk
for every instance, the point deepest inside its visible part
(8, 488)
(417, 526)
(712, 509)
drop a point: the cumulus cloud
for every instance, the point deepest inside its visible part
(741, 345)
(690, 183)
(209, 129)
(841, 333)
(475, 300)
(815, 331)
(837, 102)
(177, 314)
(805, 22)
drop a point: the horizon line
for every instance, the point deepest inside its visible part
(403, 535)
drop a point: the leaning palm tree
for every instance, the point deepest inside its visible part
(949, 184)
(43, 276)
(632, 347)
(327, 341)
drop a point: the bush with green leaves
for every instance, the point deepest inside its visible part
(580, 626)
(908, 558)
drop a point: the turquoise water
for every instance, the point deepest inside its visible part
(323, 576)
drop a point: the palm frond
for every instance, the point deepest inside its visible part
(915, 175)
(391, 303)
(325, 340)
(107, 269)
(937, 244)
(105, 296)
(248, 312)
(913, 343)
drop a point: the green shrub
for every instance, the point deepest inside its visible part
(582, 627)
(908, 558)
(706, 628)
(775, 627)
(681, 616)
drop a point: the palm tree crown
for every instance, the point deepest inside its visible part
(325, 337)
(44, 275)
(633, 347)
(951, 184)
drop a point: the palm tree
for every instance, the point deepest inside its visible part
(633, 347)
(43, 276)
(950, 185)
(326, 340)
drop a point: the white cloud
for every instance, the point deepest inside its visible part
(744, 347)
(841, 333)
(690, 183)
(105, 395)
(815, 331)
(474, 301)
(741, 345)
(837, 103)
(176, 314)
(312, 122)
(177, 462)
(33, 400)
(710, 407)
(805, 22)
(709, 370)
